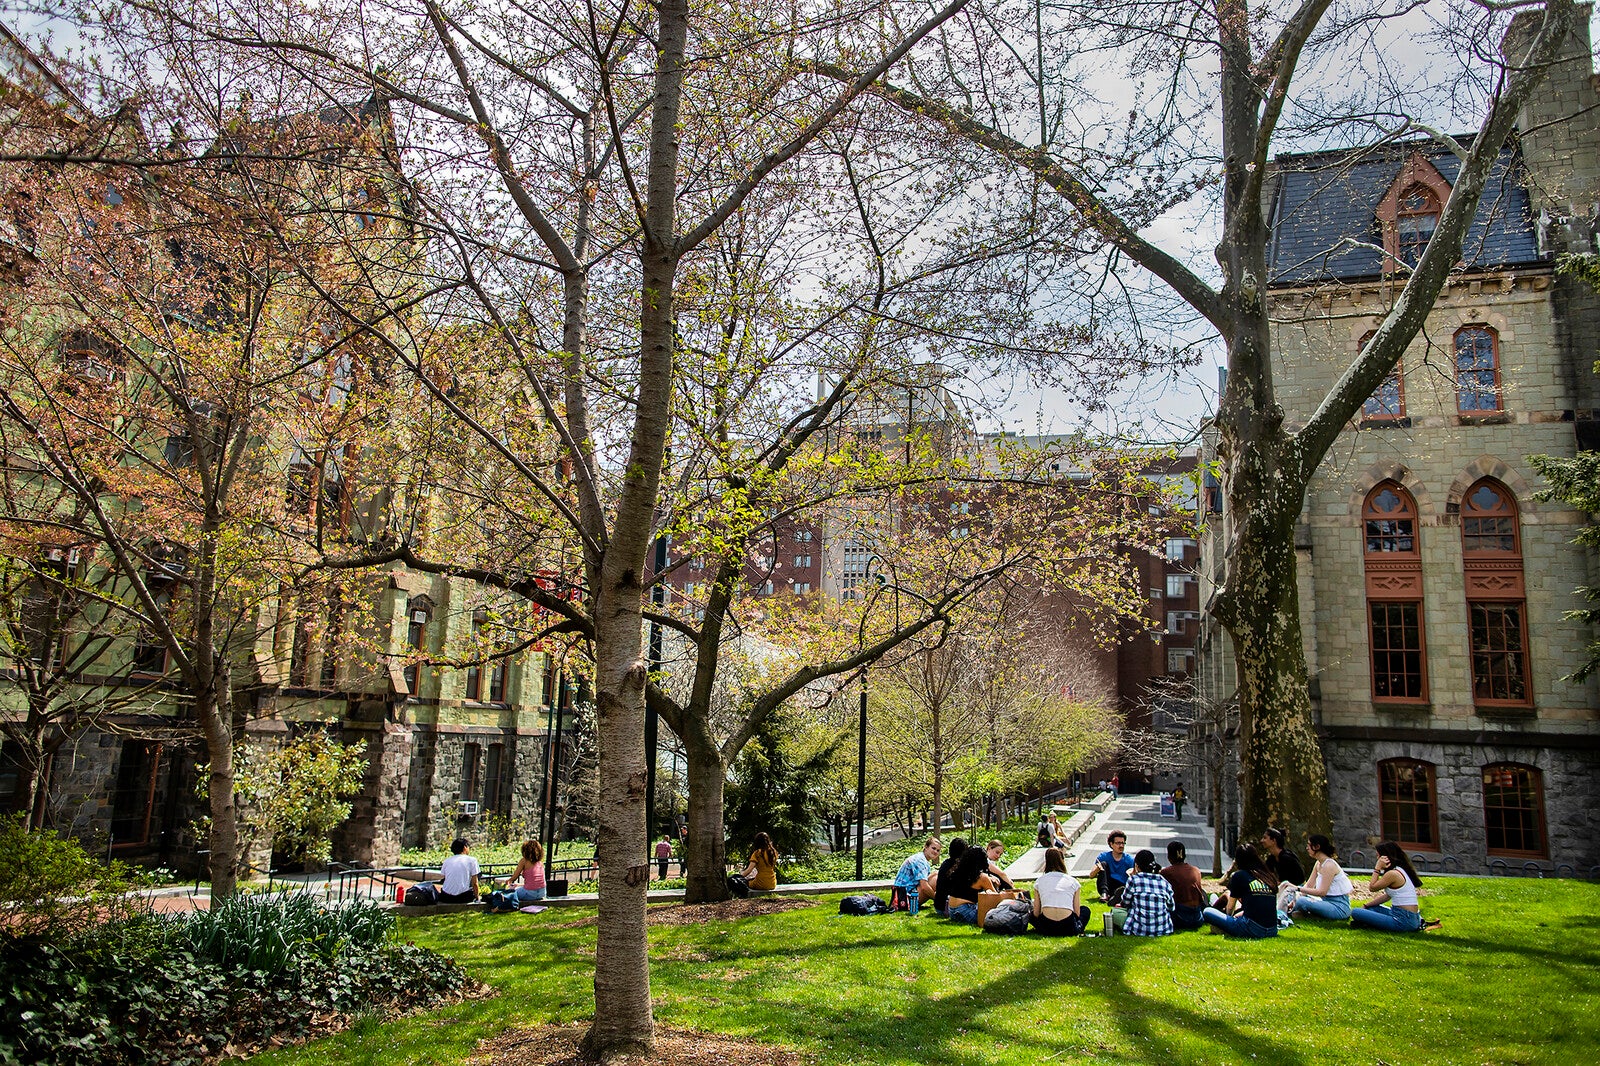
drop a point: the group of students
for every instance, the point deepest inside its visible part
(1266, 880)
(954, 888)
(1151, 900)
(460, 877)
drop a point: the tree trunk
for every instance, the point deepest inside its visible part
(216, 722)
(707, 858)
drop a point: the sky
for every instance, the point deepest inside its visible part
(1165, 407)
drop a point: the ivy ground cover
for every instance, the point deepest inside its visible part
(1509, 978)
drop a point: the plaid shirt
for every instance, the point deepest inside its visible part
(1148, 898)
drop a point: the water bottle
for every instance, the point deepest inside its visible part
(913, 899)
(1109, 925)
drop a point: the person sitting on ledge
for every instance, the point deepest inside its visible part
(1058, 908)
(762, 871)
(460, 872)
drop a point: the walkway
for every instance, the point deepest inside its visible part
(1140, 817)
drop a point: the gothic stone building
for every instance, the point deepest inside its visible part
(1433, 583)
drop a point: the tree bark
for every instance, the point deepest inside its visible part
(708, 859)
(216, 722)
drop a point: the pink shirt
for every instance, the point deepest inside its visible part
(533, 876)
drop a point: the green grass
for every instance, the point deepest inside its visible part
(1509, 979)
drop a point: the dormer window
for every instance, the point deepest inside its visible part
(1409, 212)
(1415, 222)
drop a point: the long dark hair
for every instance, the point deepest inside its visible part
(1397, 855)
(1323, 845)
(973, 862)
(764, 847)
(1248, 860)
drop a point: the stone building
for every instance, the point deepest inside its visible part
(1433, 583)
(449, 748)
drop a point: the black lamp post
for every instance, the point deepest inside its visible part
(861, 777)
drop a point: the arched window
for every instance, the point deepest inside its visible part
(1394, 595)
(1477, 370)
(419, 612)
(1388, 400)
(1407, 806)
(1513, 810)
(1416, 217)
(1491, 556)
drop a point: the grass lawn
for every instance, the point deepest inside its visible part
(1511, 978)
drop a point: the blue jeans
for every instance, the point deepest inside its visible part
(966, 912)
(1240, 926)
(1388, 919)
(529, 895)
(1187, 918)
(1334, 908)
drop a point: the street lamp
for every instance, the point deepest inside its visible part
(861, 777)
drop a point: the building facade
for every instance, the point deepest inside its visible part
(1433, 582)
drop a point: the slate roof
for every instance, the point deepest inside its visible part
(1325, 198)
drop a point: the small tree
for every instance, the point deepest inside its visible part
(294, 797)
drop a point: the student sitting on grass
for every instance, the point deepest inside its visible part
(915, 874)
(1395, 880)
(970, 879)
(945, 880)
(1058, 908)
(1254, 893)
(1188, 893)
(1111, 868)
(1326, 893)
(1148, 899)
(995, 852)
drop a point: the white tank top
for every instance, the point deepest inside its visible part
(1406, 894)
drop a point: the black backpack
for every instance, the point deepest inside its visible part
(863, 905)
(422, 894)
(739, 886)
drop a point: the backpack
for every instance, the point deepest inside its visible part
(859, 905)
(1009, 916)
(739, 886)
(422, 894)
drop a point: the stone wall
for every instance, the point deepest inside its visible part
(1572, 817)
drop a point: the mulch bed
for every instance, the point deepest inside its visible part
(557, 1045)
(726, 911)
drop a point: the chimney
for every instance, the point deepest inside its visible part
(1560, 124)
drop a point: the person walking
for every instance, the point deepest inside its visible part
(1179, 798)
(663, 856)
(1116, 785)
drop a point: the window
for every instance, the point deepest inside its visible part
(547, 693)
(469, 772)
(1415, 220)
(802, 562)
(1406, 803)
(1180, 660)
(1178, 585)
(1477, 370)
(92, 359)
(804, 536)
(766, 588)
(1176, 546)
(134, 794)
(149, 649)
(491, 774)
(856, 559)
(475, 682)
(1394, 595)
(1491, 557)
(1178, 622)
(418, 611)
(497, 682)
(802, 587)
(179, 450)
(1513, 810)
(332, 638)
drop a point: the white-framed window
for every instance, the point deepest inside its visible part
(1180, 660)
(1178, 585)
(854, 560)
(802, 587)
(804, 536)
(802, 562)
(1180, 622)
(1176, 547)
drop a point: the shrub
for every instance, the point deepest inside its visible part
(178, 990)
(49, 887)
